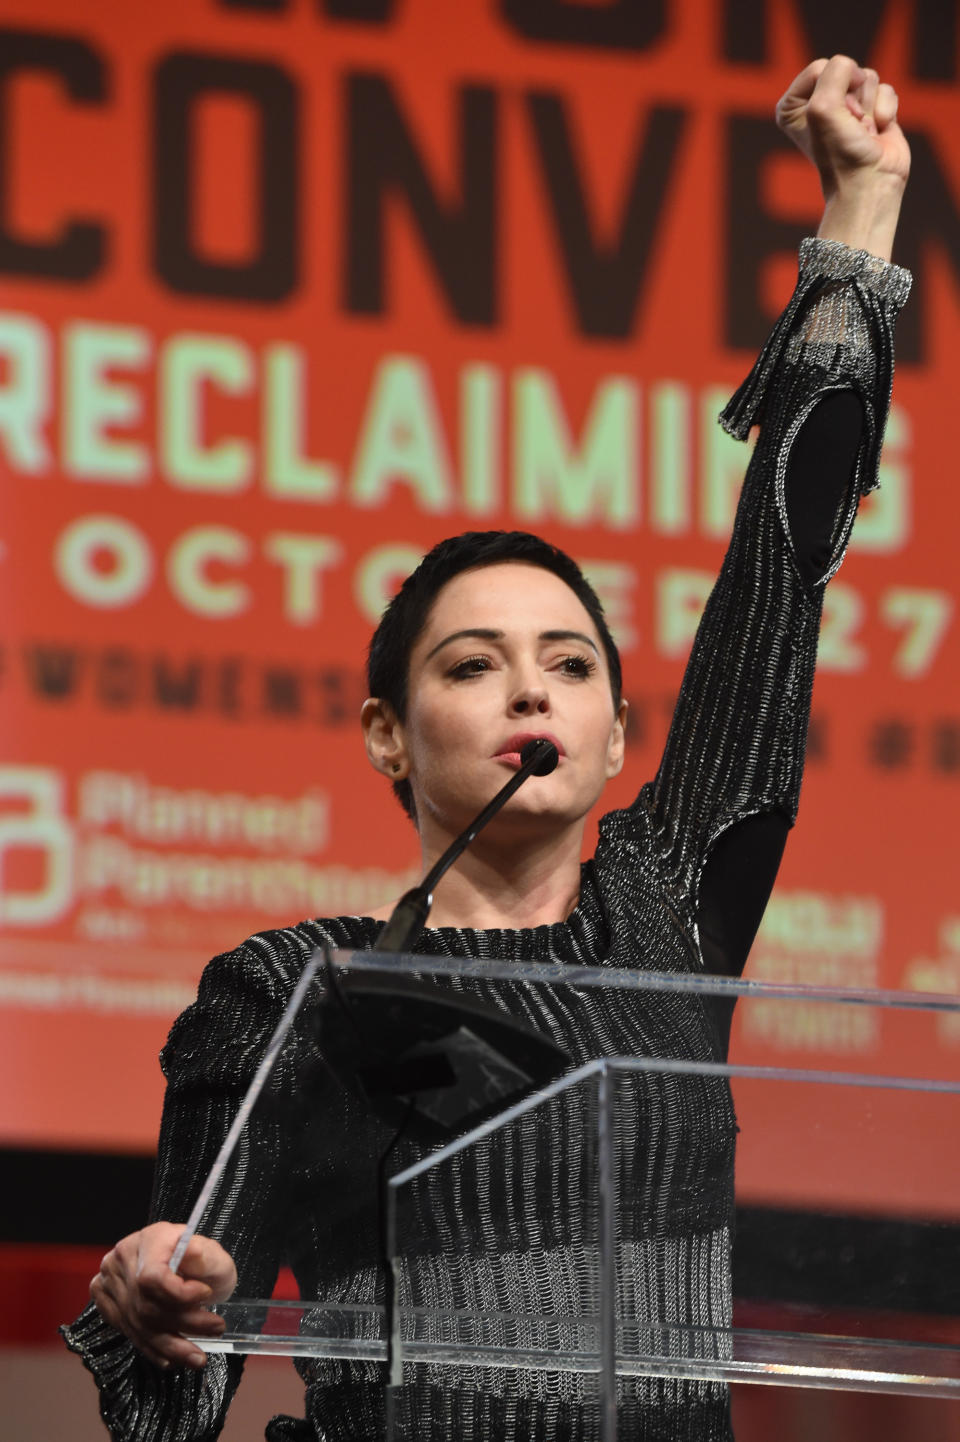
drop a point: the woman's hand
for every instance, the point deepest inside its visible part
(136, 1292)
(845, 120)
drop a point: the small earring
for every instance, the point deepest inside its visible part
(396, 767)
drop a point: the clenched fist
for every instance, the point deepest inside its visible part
(845, 120)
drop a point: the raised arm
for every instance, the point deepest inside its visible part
(736, 745)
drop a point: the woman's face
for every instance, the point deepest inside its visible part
(508, 653)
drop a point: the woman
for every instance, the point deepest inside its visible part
(496, 639)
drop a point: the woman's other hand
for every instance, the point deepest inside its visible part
(136, 1292)
(845, 120)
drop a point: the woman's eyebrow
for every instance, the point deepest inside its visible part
(569, 636)
(480, 633)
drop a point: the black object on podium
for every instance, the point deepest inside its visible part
(429, 1059)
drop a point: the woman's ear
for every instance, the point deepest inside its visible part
(383, 738)
(617, 746)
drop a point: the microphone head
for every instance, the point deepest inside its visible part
(548, 757)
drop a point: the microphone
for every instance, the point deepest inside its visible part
(538, 758)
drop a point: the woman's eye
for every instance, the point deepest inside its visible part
(579, 666)
(470, 666)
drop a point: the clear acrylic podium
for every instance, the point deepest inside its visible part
(845, 1271)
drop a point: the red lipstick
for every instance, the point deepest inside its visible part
(511, 748)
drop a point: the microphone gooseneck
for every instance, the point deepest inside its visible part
(538, 758)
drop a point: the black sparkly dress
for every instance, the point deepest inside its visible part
(678, 883)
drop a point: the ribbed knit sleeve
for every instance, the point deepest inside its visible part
(209, 1060)
(736, 744)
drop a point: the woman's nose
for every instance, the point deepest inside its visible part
(530, 699)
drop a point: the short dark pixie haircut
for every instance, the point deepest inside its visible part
(388, 662)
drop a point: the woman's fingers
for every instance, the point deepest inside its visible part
(169, 1349)
(824, 85)
(165, 1288)
(150, 1318)
(178, 1352)
(167, 1291)
(868, 91)
(103, 1298)
(205, 1260)
(840, 77)
(885, 108)
(792, 105)
(866, 95)
(826, 95)
(802, 86)
(158, 1331)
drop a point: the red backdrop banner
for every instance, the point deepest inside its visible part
(290, 291)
